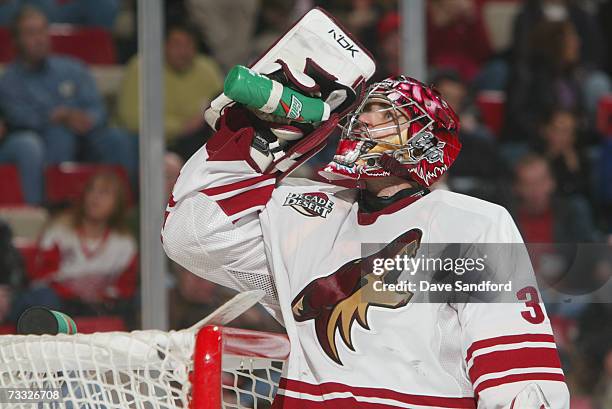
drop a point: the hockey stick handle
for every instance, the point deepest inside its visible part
(232, 309)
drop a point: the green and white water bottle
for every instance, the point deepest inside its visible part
(260, 92)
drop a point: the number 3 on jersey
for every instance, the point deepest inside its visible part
(530, 296)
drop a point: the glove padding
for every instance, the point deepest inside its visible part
(313, 81)
(273, 151)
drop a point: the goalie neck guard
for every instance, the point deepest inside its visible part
(403, 128)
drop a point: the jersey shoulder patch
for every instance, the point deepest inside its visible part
(312, 198)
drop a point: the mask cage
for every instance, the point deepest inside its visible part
(356, 130)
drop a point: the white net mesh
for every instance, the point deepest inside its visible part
(141, 369)
(253, 386)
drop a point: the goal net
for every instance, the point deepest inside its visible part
(214, 367)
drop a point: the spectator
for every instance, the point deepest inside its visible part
(551, 76)
(603, 390)
(604, 185)
(12, 275)
(456, 93)
(80, 12)
(125, 31)
(456, 37)
(604, 14)
(543, 217)
(87, 260)
(274, 21)
(57, 98)
(191, 81)
(570, 165)
(479, 169)
(388, 46)
(552, 225)
(227, 26)
(588, 30)
(362, 18)
(594, 343)
(24, 149)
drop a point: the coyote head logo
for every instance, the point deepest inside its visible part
(339, 299)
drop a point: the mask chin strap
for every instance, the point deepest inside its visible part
(369, 202)
(394, 167)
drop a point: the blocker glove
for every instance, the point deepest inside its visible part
(280, 144)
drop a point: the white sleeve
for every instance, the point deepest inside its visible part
(199, 237)
(509, 346)
(212, 226)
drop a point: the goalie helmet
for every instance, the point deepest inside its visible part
(403, 128)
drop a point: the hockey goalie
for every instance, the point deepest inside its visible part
(236, 218)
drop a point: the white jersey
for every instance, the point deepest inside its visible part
(74, 265)
(351, 347)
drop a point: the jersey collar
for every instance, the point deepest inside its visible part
(372, 206)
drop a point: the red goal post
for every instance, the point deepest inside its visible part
(216, 351)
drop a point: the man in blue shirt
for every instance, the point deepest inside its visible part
(101, 13)
(24, 150)
(56, 97)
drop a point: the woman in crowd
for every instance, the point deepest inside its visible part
(588, 29)
(569, 163)
(551, 76)
(87, 260)
(456, 37)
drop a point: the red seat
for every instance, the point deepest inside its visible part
(604, 115)
(7, 329)
(89, 325)
(581, 402)
(93, 45)
(10, 186)
(564, 329)
(85, 325)
(7, 51)
(66, 181)
(27, 249)
(491, 105)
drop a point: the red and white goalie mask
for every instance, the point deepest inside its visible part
(403, 128)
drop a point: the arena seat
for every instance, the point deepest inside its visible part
(7, 329)
(66, 181)
(491, 105)
(498, 16)
(93, 45)
(26, 222)
(7, 51)
(27, 249)
(85, 325)
(581, 402)
(105, 323)
(11, 193)
(604, 115)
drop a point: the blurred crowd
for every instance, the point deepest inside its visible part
(530, 80)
